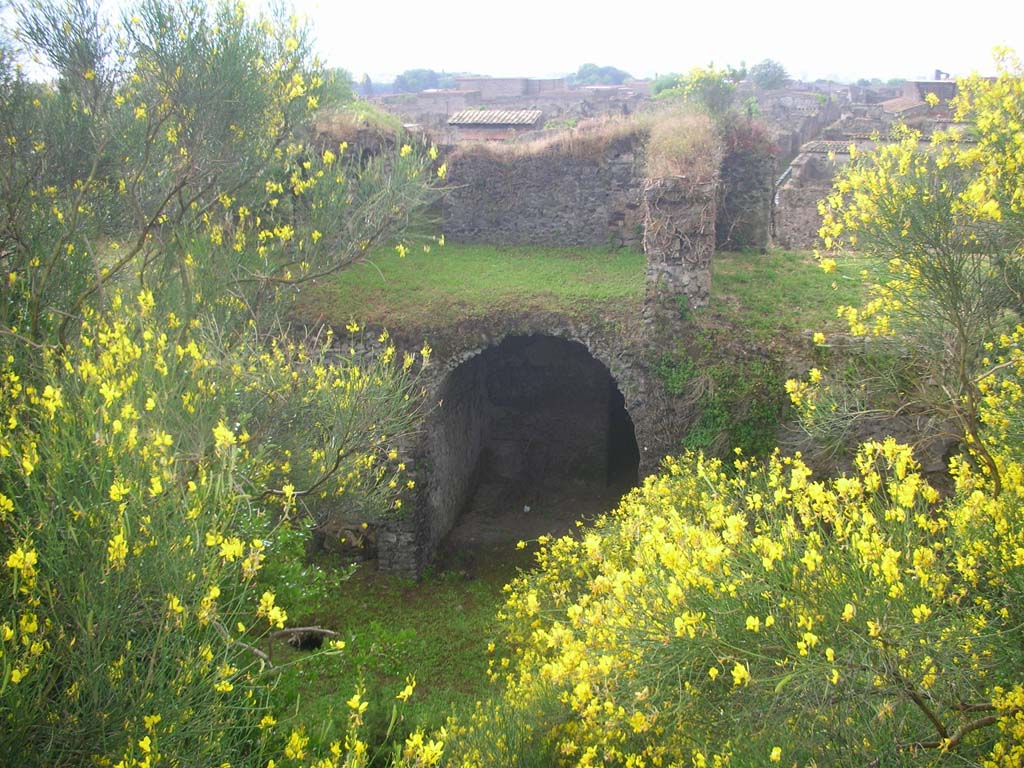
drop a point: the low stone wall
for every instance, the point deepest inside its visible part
(586, 193)
(455, 434)
(797, 220)
(808, 180)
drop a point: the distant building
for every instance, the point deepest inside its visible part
(944, 89)
(504, 87)
(490, 124)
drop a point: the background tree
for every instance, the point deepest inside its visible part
(417, 80)
(592, 74)
(366, 86)
(710, 89)
(769, 74)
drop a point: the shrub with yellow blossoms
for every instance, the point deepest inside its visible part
(750, 614)
(942, 216)
(158, 428)
(746, 614)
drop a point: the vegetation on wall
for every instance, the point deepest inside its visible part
(416, 80)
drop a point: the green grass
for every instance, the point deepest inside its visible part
(458, 282)
(764, 294)
(437, 630)
(784, 293)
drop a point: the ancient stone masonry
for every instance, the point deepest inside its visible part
(522, 399)
(679, 240)
(807, 181)
(519, 400)
(747, 182)
(588, 194)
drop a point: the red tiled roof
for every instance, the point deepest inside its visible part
(900, 104)
(495, 117)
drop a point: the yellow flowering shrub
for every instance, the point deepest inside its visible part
(133, 537)
(941, 214)
(162, 430)
(747, 614)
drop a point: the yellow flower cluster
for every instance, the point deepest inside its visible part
(720, 607)
(145, 478)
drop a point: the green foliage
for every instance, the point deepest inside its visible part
(710, 89)
(592, 74)
(741, 406)
(769, 74)
(475, 281)
(162, 436)
(778, 295)
(677, 373)
(665, 82)
(437, 630)
(416, 80)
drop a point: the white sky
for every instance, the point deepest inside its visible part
(844, 40)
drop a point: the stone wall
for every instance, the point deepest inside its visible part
(679, 240)
(455, 434)
(430, 108)
(582, 193)
(794, 119)
(808, 180)
(747, 178)
(797, 220)
(407, 545)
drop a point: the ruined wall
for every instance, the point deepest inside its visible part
(587, 193)
(407, 545)
(808, 180)
(679, 240)
(794, 118)
(493, 87)
(747, 178)
(797, 220)
(431, 108)
(456, 433)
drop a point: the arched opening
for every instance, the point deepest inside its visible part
(531, 436)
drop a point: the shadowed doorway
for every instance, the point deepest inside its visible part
(531, 436)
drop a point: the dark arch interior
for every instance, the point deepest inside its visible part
(531, 435)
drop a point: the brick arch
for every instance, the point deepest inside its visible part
(463, 435)
(608, 354)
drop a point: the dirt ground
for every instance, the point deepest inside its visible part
(499, 516)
